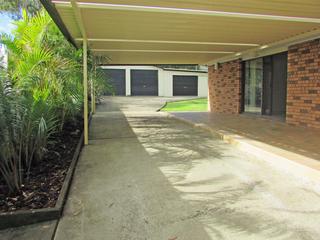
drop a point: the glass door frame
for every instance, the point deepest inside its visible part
(266, 94)
(244, 75)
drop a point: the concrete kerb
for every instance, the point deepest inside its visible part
(32, 216)
(163, 106)
(307, 170)
(26, 217)
(180, 100)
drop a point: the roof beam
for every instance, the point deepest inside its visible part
(77, 13)
(108, 6)
(169, 42)
(158, 51)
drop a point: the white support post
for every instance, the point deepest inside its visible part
(85, 93)
(208, 84)
(128, 81)
(93, 94)
(93, 110)
(77, 13)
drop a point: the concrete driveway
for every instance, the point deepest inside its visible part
(136, 104)
(146, 176)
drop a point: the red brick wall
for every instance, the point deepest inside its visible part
(225, 87)
(303, 91)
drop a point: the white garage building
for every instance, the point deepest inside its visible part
(156, 81)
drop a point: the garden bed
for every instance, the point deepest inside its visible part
(42, 196)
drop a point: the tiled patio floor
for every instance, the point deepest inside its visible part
(300, 140)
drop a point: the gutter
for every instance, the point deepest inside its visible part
(184, 70)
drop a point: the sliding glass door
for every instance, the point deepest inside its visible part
(253, 86)
(265, 85)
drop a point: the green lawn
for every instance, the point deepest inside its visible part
(199, 104)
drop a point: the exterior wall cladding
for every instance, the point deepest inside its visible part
(303, 86)
(303, 89)
(225, 87)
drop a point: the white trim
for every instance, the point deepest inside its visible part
(62, 4)
(157, 51)
(108, 6)
(170, 42)
(273, 48)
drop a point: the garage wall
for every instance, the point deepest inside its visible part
(165, 84)
(168, 83)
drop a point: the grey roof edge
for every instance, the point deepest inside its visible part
(184, 70)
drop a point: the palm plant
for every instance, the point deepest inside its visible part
(99, 83)
(39, 64)
(26, 124)
(41, 96)
(39, 92)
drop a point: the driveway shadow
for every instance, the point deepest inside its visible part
(145, 176)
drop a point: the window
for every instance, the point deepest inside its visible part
(253, 85)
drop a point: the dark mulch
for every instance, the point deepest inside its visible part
(46, 178)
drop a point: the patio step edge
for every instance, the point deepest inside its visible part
(306, 169)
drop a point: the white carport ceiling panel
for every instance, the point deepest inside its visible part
(294, 8)
(179, 27)
(119, 27)
(70, 21)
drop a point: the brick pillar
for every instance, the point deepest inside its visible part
(225, 87)
(303, 89)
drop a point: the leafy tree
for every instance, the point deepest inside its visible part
(14, 7)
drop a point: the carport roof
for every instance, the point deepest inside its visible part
(181, 32)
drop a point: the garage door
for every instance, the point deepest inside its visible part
(117, 78)
(144, 82)
(185, 86)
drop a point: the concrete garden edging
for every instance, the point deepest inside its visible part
(26, 217)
